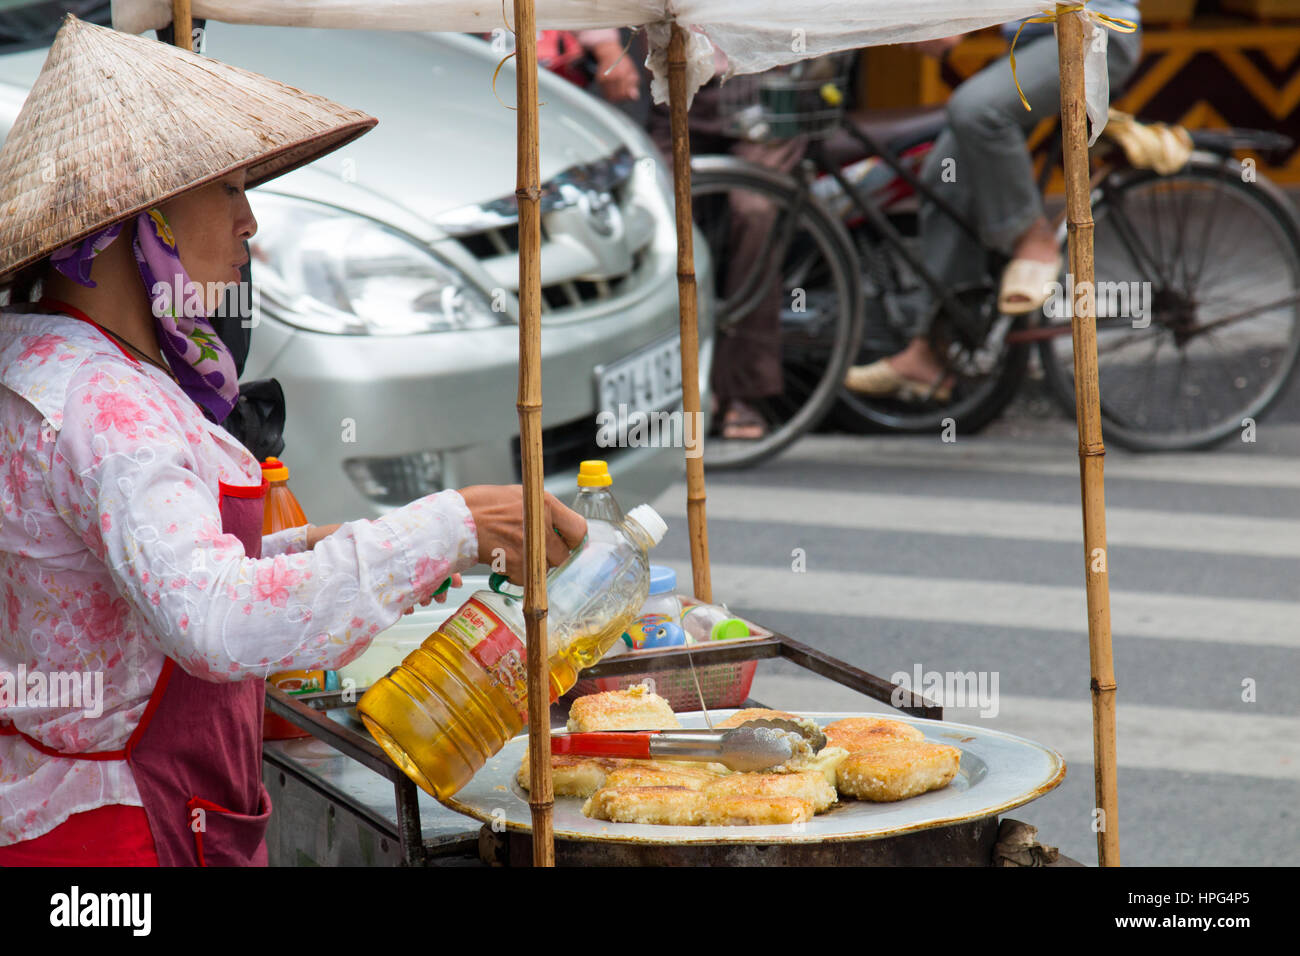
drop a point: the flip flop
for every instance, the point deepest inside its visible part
(881, 380)
(743, 422)
(1030, 280)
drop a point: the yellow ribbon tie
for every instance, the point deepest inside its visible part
(1050, 16)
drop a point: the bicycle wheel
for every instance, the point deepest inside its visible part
(1213, 265)
(807, 261)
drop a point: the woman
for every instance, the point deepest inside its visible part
(130, 541)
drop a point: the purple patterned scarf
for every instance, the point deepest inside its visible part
(198, 357)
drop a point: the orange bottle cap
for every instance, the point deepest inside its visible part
(273, 469)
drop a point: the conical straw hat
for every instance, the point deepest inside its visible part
(117, 123)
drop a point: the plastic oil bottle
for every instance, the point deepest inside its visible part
(455, 700)
(284, 511)
(595, 497)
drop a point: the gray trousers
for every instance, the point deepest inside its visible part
(983, 153)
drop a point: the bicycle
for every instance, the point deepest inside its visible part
(866, 170)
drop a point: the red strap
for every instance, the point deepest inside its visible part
(76, 313)
(198, 803)
(155, 699)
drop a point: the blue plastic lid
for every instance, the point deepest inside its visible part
(662, 579)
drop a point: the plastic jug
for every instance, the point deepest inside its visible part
(454, 701)
(595, 498)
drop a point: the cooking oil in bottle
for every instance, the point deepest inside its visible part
(455, 700)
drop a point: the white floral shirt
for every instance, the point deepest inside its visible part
(112, 559)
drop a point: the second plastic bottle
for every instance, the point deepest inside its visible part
(454, 701)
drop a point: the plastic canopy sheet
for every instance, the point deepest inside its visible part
(754, 35)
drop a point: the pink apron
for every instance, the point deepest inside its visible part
(197, 753)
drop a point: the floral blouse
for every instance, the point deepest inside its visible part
(112, 559)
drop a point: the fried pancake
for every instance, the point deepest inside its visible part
(667, 806)
(755, 811)
(896, 771)
(807, 785)
(626, 777)
(867, 733)
(573, 776)
(754, 713)
(633, 709)
(827, 763)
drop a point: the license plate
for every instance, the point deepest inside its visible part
(648, 381)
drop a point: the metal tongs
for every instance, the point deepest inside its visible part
(758, 744)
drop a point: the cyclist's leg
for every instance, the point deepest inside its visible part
(747, 365)
(952, 254)
(990, 124)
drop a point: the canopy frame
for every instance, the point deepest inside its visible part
(1071, 37)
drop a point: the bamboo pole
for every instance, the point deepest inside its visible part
(687, 308)
(541, 797)
(182, 24)
(1070, 48)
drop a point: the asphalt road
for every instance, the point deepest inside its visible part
(968, 556)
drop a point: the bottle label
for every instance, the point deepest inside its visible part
(497, 648)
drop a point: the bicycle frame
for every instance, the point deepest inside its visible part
(886, 229)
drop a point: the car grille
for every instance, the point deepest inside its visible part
(564, 446)
(491, 232)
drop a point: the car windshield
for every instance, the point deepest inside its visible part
(31, 24)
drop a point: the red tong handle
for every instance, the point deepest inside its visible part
(606, 743)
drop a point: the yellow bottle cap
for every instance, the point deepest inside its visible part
(594, 474)
(273, 469)
(831, 94)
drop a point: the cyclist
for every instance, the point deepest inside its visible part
(981, 165)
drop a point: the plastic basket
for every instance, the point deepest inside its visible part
(723, 685)
(803, 99)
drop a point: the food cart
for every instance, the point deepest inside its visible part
(755, 35)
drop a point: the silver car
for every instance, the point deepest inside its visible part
(385, 275)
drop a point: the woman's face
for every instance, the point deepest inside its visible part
(210, 225)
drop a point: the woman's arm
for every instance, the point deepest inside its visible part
(122, 476)
(295, 540)
(287, 541)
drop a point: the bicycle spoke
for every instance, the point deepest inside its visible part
(1195, 280)
(1134, 246)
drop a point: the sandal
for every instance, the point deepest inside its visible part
(1026, 285)
(743, 422)
(881, 380)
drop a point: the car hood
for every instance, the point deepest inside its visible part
(444, 140)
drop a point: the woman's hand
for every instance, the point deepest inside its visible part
(315, 533)
(440, 598)
(498, 512)
(618, 75)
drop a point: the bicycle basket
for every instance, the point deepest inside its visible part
(801, 99)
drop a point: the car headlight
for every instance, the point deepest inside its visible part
(329, 270)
